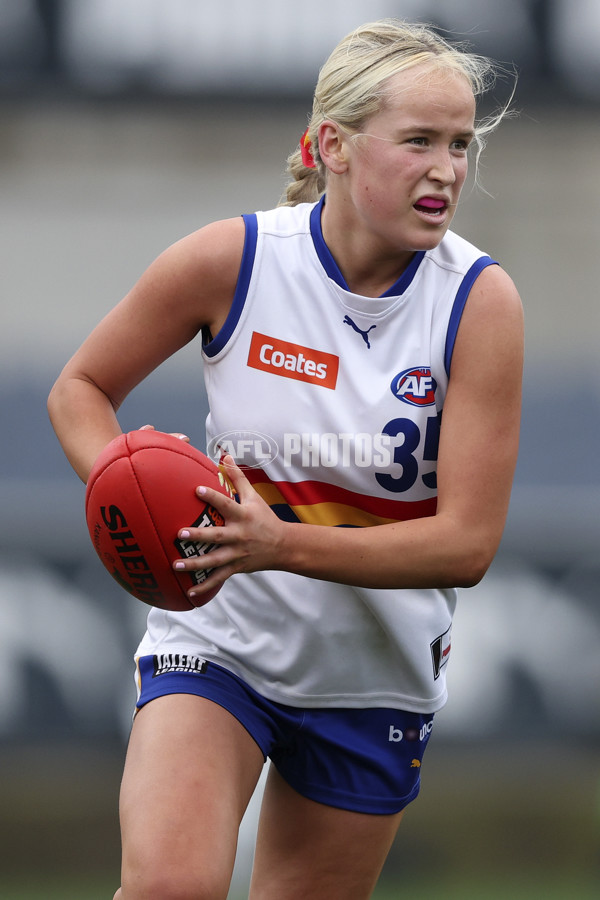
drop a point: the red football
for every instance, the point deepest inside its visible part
(141, 492)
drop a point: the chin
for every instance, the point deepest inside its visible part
(433, 237)
(429, 243)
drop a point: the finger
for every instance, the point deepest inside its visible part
(175, 434)
(216, 579)
(204, 536)
(217, 546)
(227, 506)
(236, 477)
(214, 559)
(219, 570)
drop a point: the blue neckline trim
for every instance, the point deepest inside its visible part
(332, 268)
(459, 304)
(214, 346)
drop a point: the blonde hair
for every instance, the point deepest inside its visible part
(352, 87)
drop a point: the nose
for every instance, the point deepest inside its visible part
(442, 167)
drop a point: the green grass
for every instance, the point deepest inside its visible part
(57, 888)
(516, 887)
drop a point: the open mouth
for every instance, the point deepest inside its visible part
(431, 206)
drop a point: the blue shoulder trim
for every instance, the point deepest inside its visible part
(241, 289)
(459, 304)
(407, 276)
(332, 268)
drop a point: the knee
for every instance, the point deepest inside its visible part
(170, 886)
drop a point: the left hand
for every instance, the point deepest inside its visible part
(248, 542)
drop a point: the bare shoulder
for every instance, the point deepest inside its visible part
(486, 370)
(217, 246)
(490, 334)
(212, 254)
(494, 295)
(198, 274)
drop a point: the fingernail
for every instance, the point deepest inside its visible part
(184, 534)
(180, 565)
(201, 490)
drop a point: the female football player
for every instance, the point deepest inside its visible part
(381, 354)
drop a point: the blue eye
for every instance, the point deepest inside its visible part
(461, 144)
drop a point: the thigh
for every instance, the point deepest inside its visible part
(307, 849)
(190, 771)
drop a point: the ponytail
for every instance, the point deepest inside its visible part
(307, 184)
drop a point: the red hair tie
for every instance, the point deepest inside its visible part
(306, 151)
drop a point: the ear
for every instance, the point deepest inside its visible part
(333, 147)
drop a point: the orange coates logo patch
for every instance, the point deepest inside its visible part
(279, 357)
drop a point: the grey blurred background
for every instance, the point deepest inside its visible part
(125, 124)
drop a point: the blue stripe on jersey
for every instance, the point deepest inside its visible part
(459, 304)
(332, 269)
(241, 290)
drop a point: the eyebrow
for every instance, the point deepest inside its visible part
(469, 133)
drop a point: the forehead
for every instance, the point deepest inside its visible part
(429, 92)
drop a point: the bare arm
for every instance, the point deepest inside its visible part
(477, 457)
(190, 286)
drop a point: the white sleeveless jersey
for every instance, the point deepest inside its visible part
(334, 402)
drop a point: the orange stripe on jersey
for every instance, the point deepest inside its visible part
(337, 514)
(318, 503)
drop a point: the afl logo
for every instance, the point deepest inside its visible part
(250, 449)
(415, 386)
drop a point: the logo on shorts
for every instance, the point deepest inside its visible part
(440, 652)
(415, 386)
(178, 662)
(410, 734)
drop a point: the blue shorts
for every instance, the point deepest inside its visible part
(365, 760)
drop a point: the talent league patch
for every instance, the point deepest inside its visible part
(164, 663)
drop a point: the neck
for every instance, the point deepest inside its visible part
(369, 269)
